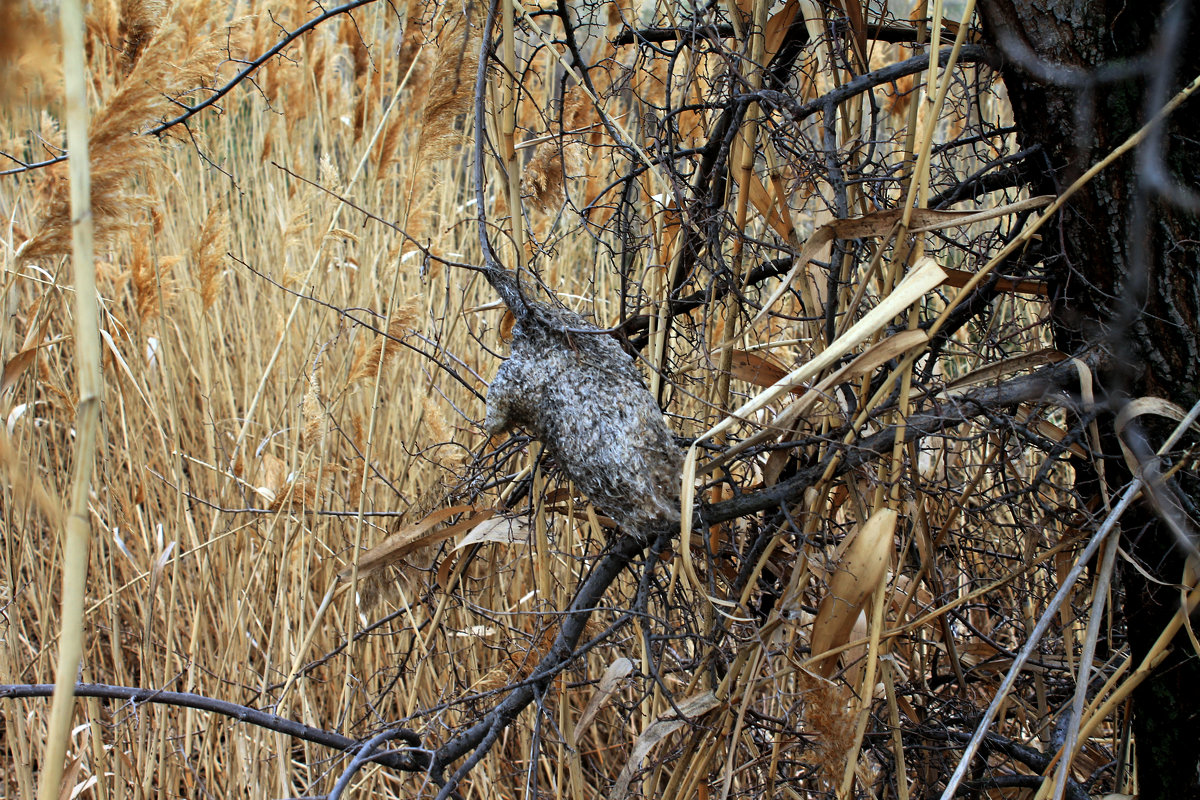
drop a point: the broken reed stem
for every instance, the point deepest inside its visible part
(87, 366)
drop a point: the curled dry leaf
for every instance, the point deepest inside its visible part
(660, 729)
(859, 573)
(412, 537)
(502, 530)
(617, 671)
(16, 366)
(756, 369)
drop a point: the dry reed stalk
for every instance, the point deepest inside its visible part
(507, 107)
(729, 307)
(90, 381)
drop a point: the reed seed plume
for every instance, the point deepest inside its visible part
(372, 359)
(139, 19)
(386, 150)
(563, 157)
(313, 411)
(118, 150)
(438, 432)
(544, 182)
(29, 57)
(360, 55)
(153, 287)
(410, 49)
(450, 89)
(208, 254)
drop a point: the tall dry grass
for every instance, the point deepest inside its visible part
(268, 456)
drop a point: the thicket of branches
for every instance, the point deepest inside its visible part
(815, 230)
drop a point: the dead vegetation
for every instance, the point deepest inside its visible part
(297, 507)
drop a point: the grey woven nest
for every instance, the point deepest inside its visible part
(577, 391)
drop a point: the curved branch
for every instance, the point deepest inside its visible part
(409, 761)
(970, 53)
(366, 754)
(480, 737)
(506, 282)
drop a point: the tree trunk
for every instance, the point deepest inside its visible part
(1123, 264)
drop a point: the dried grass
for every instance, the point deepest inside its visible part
(450, 90)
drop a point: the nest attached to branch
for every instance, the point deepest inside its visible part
(574, 388)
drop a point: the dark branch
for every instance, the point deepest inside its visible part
(409, 761)
(1025, 389)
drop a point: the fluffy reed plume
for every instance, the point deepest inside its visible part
(370, 360)
(386, 150)
(410, 49)
(27, 51)
(139, 19)
(153, 289)
(450, 90)
(182, 55)
(565, 156)
(313, 411)
(360, 56)
(827, 715)
(208, 254)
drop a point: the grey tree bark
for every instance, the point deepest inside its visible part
(1123, 264)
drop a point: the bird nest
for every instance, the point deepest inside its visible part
(573, 387)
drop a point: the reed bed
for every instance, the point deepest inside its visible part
(295, 507)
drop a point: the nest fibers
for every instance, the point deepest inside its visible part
(576, 390)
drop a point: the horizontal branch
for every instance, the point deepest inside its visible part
(409, 761)
(890, 33)
(949, 414)
(969, 53)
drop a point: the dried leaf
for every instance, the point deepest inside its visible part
(925, 276)
(658, 730)
(502, 530)
(616, 672)
(994, 371)
(881, 224)
(406, 540)
(778, 25)
(958, 278)
(756, 369)
(16, 366)
(859, 573)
